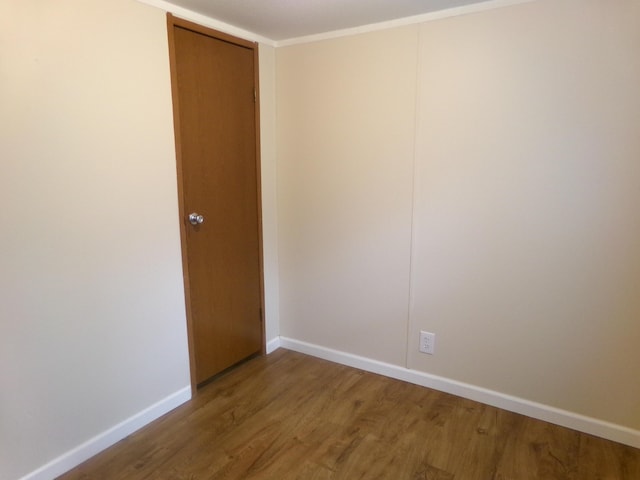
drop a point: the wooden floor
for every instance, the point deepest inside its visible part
(291, 416)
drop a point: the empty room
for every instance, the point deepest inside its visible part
(320, 239)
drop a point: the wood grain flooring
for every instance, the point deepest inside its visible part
(290, 416)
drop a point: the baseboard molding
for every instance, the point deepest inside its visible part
(592, 426)
(273, 345)
(102, 441)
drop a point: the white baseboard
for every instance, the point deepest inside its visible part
(273, 345)
(100, 442)
(592, 426)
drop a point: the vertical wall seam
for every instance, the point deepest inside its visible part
(413, 197)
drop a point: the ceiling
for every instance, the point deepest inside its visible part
(286, 19)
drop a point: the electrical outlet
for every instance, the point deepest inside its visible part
(427, 342)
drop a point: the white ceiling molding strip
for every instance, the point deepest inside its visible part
(206, 21)
(425, 17)
(254, 37)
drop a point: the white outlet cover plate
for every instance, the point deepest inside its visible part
(427, 342)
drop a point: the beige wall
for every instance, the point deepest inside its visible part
(92, 318)
(526, 235)
(267, 67)
(345, 112)
(92, 322)
(523, 130)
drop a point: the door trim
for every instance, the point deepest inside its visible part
(172, 23)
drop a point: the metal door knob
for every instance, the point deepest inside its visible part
(195, 219)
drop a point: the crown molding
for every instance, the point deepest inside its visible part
(206, 21)
(400, 22)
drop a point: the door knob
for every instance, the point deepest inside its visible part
(195, 219)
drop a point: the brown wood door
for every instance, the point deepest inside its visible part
(215, 112)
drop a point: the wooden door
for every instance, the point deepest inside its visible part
(215, 113)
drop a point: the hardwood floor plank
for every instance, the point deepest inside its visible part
(603, 460)
(540, 450)
(290, 416)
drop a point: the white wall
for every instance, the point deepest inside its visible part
(92, 318)
(526, 237)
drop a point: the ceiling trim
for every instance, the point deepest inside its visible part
(425, 17)
(210, 22)
(206, 21)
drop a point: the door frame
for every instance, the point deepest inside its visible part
(172, 23)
